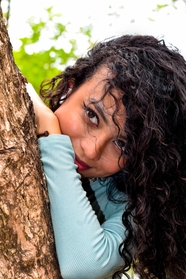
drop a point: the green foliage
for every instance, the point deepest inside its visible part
(159, 7)
(37, 61)
(39, 58)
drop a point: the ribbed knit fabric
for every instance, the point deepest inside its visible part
(87, 248)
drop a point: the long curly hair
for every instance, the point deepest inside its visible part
(152, 80)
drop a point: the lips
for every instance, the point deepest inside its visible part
(81, 165)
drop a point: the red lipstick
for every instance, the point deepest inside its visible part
(81, 165)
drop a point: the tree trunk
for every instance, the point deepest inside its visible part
(26, 237)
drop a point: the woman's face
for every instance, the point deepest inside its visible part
(91, 129)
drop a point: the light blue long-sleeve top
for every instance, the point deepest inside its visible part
(86, 247)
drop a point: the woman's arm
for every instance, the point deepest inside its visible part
(85, 249)
(45, 118)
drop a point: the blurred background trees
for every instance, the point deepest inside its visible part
(37, 64)
(39, 60)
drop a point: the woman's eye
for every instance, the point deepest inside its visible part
(120, 144)
(91, 115)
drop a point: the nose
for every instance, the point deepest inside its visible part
(94, 147)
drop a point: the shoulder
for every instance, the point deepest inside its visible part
(100, 189)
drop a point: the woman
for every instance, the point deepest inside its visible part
(115, 160)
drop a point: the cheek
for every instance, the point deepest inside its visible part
(70, 128)
(115, 168)
(110, 166)
(70, 123)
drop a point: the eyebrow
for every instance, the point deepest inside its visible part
(101, 112)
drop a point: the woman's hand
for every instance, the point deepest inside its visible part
(46, 120)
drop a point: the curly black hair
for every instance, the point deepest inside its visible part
(151, 77)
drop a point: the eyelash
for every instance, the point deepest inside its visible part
(118, 143)
(90, 117)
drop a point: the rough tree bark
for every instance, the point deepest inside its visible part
(26, 238)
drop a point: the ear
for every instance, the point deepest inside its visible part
(71, 83)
